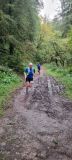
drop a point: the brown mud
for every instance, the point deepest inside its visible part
(39, 126)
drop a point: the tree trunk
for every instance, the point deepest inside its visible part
(11, 49)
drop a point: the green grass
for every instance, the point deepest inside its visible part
(63, 76)
(9, 81)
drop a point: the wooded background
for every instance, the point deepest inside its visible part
(24, 38)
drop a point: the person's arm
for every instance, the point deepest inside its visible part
(25, 73)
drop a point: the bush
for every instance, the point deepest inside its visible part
(9, 81)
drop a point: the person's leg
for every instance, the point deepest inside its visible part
(31, 81)
(27, 84)
(39, 71)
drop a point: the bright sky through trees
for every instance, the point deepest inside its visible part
(50, 8)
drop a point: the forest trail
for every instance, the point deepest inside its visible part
(38, 127)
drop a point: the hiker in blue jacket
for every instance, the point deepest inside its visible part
(29, 74)
(38, 67)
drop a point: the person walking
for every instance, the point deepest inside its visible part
(29, 75)
(39, 68)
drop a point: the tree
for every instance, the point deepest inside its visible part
(66, 14)
(19, 23)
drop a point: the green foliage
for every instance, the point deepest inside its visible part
(19, 23)
(52, 47)
(70, 39)
(9, 81)
(66, 16)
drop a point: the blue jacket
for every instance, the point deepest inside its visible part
(30, 72)
(39, 66)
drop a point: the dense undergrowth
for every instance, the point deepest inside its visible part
(63, 75)
(9, 81)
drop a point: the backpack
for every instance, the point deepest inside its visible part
(30, 71)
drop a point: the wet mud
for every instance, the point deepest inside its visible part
(39, 126)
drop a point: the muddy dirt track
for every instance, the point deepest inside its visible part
(39, 126)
